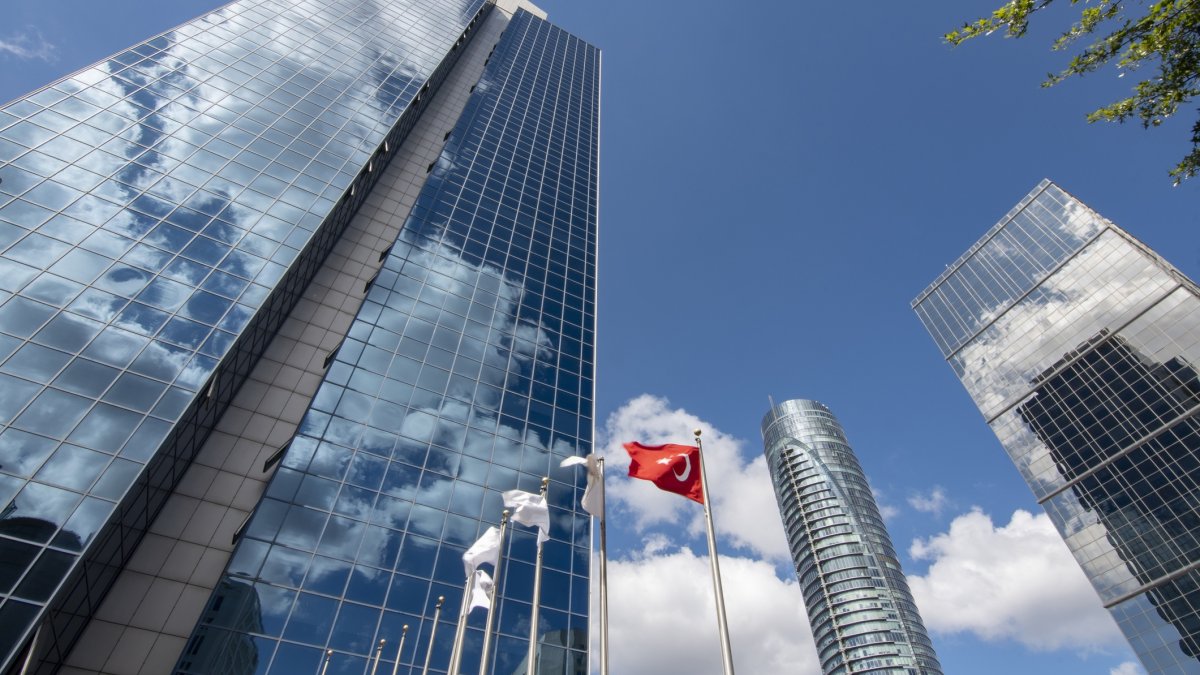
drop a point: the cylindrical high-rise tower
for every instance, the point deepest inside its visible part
(862, 613)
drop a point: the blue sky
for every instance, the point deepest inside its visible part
(778, 181)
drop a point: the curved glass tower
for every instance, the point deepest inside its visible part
(863, 616)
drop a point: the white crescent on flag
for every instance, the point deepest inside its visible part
(687, 470)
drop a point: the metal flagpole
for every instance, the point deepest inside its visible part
(460, 631)
(491, 613)
(603, 574)
(531, 660)
(400, 649)
(325, 665)
(437, 613)
(722, 624)
(378, 653)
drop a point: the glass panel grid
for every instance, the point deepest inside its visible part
(468, 371)
(150, 208)
(1089, 381)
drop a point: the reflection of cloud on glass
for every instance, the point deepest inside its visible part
(84, 524)
(1100, 288)
(37, 512)
(1067, 307)
(23, 453)
(1042, 231)
(195, 121)
(418, 425)
(72, 466)
(513, 347)
(1080, 526)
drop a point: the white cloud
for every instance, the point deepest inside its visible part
(1014, 582)
(934, 502)
(663, 618)
(744, 506)
(1127, 668)
(886, 510)
(29, 45)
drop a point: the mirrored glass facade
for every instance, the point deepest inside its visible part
(162, 211)
(468, 371)
(1079, 345)
(859, 605)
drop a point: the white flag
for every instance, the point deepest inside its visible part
(481, 591)
(593, 499)
(485, 550)
(529, 509)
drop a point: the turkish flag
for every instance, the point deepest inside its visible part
(674, 468)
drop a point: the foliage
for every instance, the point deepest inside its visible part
(1164, 36)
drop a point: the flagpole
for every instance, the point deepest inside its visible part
(325, 665)
(491, 613)
(603, 575)
(378, 653)
(460, 632)
(722, 623)
(400, 649)
(531, 660)
(432, 633)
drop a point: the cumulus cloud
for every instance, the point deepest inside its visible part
(663, 618)
(934, 502)
(1010, 582)
(744, 505)
(886, 510)
(1127, 668)
(28, 46)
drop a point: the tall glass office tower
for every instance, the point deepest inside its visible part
(859, 605)
(1079, 345)
(342, 252)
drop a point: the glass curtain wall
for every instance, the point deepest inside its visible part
(1079, 345)
(467, 372)
(159, 212)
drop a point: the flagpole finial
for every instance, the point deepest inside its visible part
(441, 599)
(504, 515)
(404, 628)
(697, 433)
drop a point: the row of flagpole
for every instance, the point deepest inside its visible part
(661, 465)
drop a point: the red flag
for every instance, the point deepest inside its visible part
(674, 468)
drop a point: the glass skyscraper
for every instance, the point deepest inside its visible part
(859, 605)
(1079, 345)
(340, 252)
